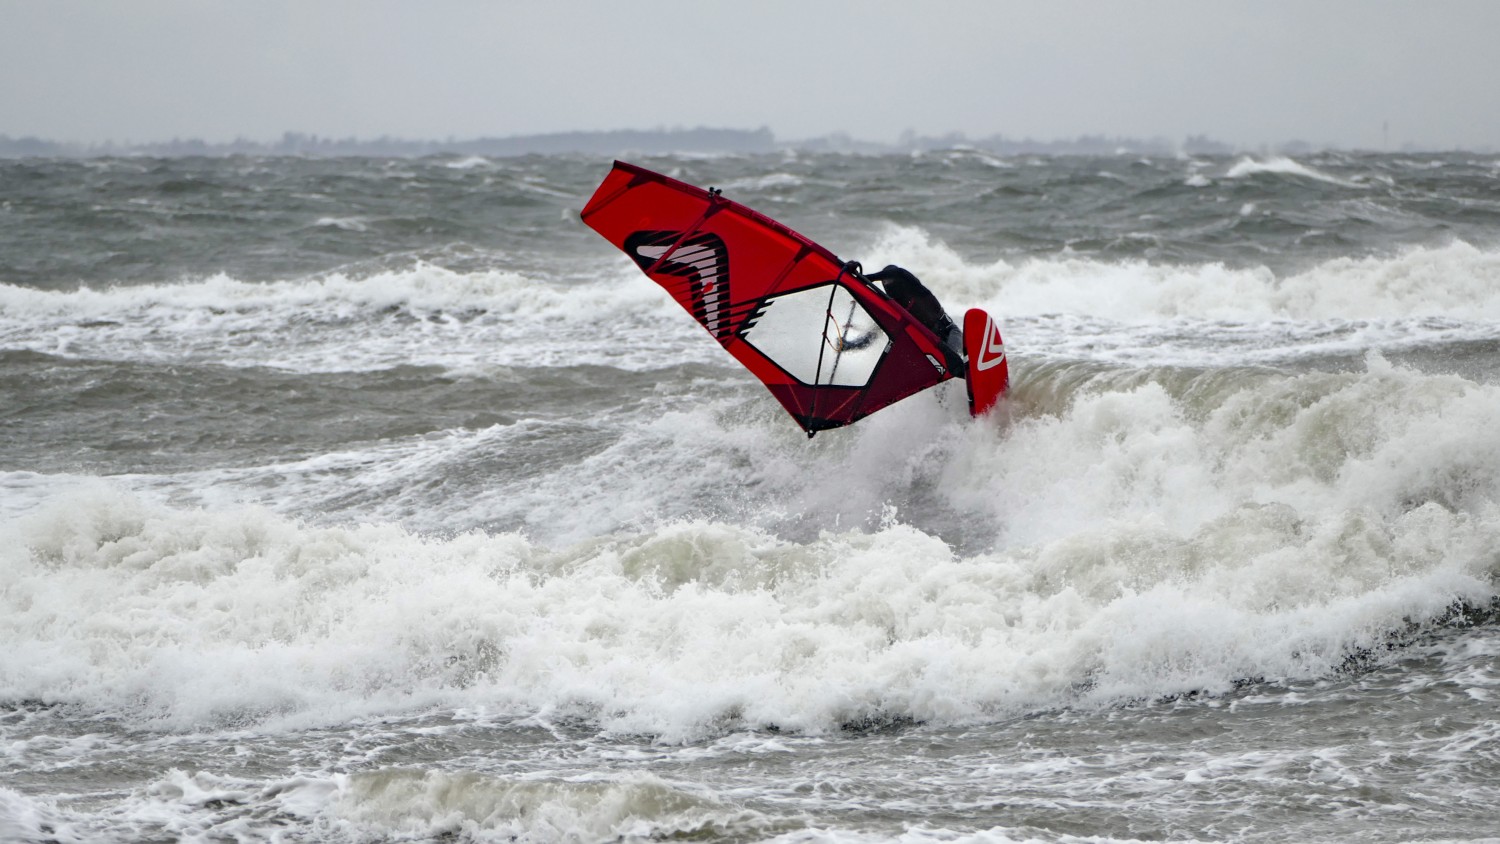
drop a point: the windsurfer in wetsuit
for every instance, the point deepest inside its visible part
(907, 291)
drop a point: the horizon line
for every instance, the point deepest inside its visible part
(701, 139)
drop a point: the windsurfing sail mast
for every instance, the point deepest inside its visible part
(830, 347)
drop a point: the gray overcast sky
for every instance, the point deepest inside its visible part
(1246, 72)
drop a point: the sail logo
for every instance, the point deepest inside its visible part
(701, 259)
(992, 353)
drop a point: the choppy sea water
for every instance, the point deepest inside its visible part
(370, 500)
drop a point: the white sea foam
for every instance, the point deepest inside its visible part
(425, 315)
(1457, 280)
(1143, 545)
(467, 322)
(432, 803)
(389, 803)
(1283, 166)
(348, 224)
(27, 819)
(472, 162)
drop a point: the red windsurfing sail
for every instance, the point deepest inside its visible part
(831, 348)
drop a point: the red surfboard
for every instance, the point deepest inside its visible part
(989, 371)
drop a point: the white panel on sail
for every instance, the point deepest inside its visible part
(821, 336)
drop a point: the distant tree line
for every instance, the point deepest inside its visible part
(633, 142)
(651, 142)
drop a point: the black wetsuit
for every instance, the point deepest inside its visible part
(909, 292)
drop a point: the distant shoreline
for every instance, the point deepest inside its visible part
(658, 142)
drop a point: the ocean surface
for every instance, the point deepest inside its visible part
(358, 500)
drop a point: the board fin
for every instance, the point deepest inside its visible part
(989, 371)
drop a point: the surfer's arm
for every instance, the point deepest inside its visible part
(854, 270)
(890, 272)
(897, 274)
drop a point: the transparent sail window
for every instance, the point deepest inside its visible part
(822, 336)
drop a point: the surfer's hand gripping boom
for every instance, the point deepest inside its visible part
(855, 269)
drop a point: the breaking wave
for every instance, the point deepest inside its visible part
(431, 316)
(1139, 540)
